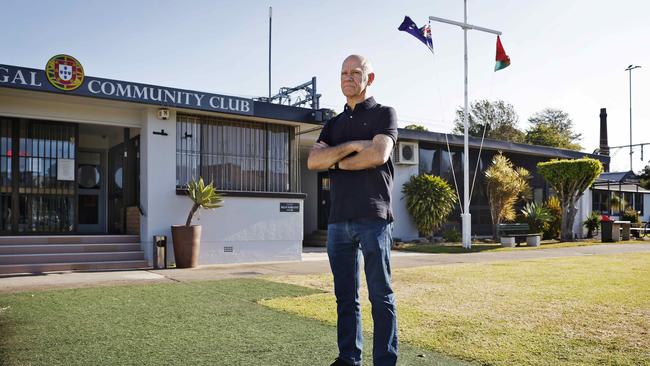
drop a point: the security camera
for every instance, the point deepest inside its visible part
(163, 113)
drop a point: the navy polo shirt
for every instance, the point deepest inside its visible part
(361, 193)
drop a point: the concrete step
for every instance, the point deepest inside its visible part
(68, 248)
(69, 239)
(308, 243)
(70, 257)
(75, 266)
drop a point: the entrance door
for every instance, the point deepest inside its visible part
(91, 192)
(323, 199)
(123, 182)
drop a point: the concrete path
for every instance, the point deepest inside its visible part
(314, 261)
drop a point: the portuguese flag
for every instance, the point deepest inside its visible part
(502, 59)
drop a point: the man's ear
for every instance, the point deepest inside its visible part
(371, 78)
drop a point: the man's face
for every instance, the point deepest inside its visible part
(353, 80)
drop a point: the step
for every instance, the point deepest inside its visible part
(306, 243)
(78, 266)
(68, 239)
(68, 248)
(70, 257)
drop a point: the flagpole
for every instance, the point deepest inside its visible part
(465, 215)
(270, 22)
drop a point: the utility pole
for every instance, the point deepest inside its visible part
(465, 216)
(630, 68)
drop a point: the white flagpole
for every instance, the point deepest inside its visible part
(465, 216)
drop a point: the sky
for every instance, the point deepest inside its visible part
(569, 55)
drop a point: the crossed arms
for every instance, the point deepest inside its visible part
(369, 154)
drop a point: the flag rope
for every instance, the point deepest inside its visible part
(453, 174)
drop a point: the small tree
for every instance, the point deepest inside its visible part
(505, 185)
(570, 179)
(552, 229)
(429, 200)
(202, 196)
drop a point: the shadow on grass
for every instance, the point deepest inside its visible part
(188, 323)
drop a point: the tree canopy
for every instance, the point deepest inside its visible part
(552, 127)
(416, 127)
(498, 117)
(570, 179)
(429, 200)
(645, 177)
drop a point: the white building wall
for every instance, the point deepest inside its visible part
(253, 226)
(404, 228)
(584, 205)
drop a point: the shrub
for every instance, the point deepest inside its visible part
(505, 185)
(429, 200)
(552, 228)
(592, 223)
(452, 235)
(630, 215)
(536, 216)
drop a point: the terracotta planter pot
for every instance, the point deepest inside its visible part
(187, 242)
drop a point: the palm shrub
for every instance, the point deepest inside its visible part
(552, 229)
(592, 223)
(570, 179)
(505, 185)
(203, 196)
(429, 200)
(536, 216)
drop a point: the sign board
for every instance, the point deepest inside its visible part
(64, 76)
(65, 169)
(289, 207)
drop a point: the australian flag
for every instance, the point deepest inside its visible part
(423, 34)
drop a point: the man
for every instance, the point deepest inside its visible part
(356, 146)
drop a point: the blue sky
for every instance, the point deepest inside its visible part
(565, 54)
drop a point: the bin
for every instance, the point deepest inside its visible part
(159, 251)
(606, 228)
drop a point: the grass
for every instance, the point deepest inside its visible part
(198, 323)
(454, 248)
(591, 310)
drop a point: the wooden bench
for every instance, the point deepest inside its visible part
(643, 230)
(512, 232)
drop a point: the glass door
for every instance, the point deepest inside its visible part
(91, 192)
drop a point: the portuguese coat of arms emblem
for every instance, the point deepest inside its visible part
(64, 72)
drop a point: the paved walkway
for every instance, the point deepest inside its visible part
(314, 261)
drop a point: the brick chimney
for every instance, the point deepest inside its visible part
(604, 145)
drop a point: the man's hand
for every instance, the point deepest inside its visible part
(375, 153)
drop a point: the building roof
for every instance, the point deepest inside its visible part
(497, 145)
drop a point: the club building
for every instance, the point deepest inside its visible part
(91, 169)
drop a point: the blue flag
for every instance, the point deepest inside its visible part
(423, 34)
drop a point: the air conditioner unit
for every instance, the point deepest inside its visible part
(407, 153)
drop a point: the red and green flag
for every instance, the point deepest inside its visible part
(502, 59)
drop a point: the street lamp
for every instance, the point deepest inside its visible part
(630, 68)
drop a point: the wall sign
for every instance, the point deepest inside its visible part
(64, 74)
(65, 169)
(289, 207)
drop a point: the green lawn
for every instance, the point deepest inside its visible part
(453, 248)
(592, 310)
(199, 323)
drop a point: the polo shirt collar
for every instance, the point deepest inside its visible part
(366, 104)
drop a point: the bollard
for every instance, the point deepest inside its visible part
(159, 252)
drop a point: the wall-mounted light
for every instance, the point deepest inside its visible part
(163, 113)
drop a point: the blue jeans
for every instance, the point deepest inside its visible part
(345, 243)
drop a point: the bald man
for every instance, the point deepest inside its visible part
(356, 147)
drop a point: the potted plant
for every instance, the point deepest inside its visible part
(187, 238)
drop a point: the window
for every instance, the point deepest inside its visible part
(638, 203)
(600, 201)
(236, 155)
